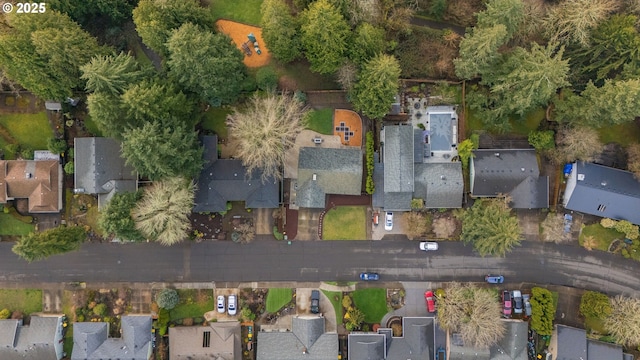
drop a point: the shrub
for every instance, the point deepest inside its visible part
(100, 309)
(627, 228)
(26, 154)
(277, 234)
(56, 146)
(370, 186)
(543, 311)
(346, 301)
(247, 314)
(542, 140)
(167, 299)
(608, 223)
(438, 8)
(595, 305)
(163, 321)
(5, 313)
(267, 79)
(69, 168)
(80, 318)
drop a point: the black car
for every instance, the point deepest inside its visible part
(315, 301)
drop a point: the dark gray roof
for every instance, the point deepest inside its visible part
(416, 342)
(337, 171)
(91, 342)
(398, 159)
(597, 350)
(397, 201)
(366, 346)
(511, 172)
(307, 334)
(572, 343)
(418, 145)
(616, 190)
(439, 184)
(38, 341)
(223, 180)
(513, 346)
(99, 169)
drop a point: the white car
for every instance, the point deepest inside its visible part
(220, 306)
(231, 306)
(428, 246)
(388, 221)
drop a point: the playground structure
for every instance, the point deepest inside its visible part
(239, 34)
(252, 41)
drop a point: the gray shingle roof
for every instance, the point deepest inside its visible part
(397, 201)
(531, 193)
(368, 346)
(186, 342)
(38, 341)
(398, 159)
(223, 180)
(307, 334)
(91, 342)
(616, 190)
(572, 343)
(513, 346)
(99, 169)
(377, 199)
(600, 350)
(439, 184)
(416, 342)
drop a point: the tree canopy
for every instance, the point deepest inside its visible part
(509, 13)
(108, 113)
(157, 101)
(543, 311)
(115, 217)
(571, 21)
(479, 51)
(111, 74)
(86, 12)
(378, 82)
(324, 36)
(280, 30)
(368, 41)
(624, 321)
(37, 246)
(595, 305)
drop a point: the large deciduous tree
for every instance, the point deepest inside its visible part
(280, 30)
(37, 246)
(324, 36)
(115, 218)
(162, 212)
(576, 143)
(111, 74)
(633, 159)
(624, 321)
(378, 82)
(207, 64)
(571, 21)
(265, 130)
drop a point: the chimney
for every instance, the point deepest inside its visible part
(314, 178)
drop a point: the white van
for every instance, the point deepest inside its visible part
(231, 306)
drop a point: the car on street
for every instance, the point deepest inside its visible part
(232, 306)
(430, 301)
(506, 303)
(369, 276)
(220, 306)
(516, 295)
(428, 246)
(494, 279)
(527, 304)
(388, 221)
(315, 301)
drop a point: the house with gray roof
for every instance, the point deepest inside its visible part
(40, 340)
(398, 158)
(306, 339)
(416, 342)
(323, 171)
(512, 346)
(603, 191)
(512, 172)
(91, 340)
(224, 180)
(216, 340)
(571, 343)
(101, 170)
(440, 185)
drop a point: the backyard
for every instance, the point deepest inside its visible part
(321, 121)
(28, 131)
(345, 223)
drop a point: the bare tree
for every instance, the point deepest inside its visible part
(265, 130)
(347, 75)
(552, 227)
(416, 224)
(576, 143)
(573, 20)
(633, 159)
(624, 322)
(247, 232)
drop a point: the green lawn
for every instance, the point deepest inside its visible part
(345, 223)
(29, 130)
(28, 301)
(9, 225)
(191, 306)
(372, 302)
(603, 236)
(321, 121)
(623, 134)
(518, 126)
(92, 126)
(336, 300)
(245, 11)
(277, 298)
(215, 120)
(594, 324)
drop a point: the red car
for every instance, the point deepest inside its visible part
(506, 301)
(430, 300)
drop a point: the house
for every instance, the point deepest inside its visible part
(224, 180)
(38, 181)
(398, 159)
(603, 191)
(323, 171)
(217, 340)
(439, 184)
(40, 340)
(416, 342)
(512, 346)
(307, 339)
(571, 343)
(91, 340)
(101, 170)
(512, 172)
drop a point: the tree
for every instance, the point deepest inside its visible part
(633, 159)
(552, 227)
(368, 41)
(416, 224)
(573, 20)
(108, 113)
(44, 52)
(280, 30)
(167, 298)
(624, 321)
(576, 143)
(155, 20)
(37, 246)
(543, 311)
(56, 146)
(69, 168)
(595, 304)
(347, 75)
(490, 227)
(542, 140)
(159, 152)
(355, 318)
(509, 13)
(265, 130)
(324, 34)
(157, 101)
(209, 65)
(100, 309)
(115, 217)
(111, 74)
(5, 314)
(370, 186)
(479, 51)
(378, 82)
(88, 12)
(162, 212)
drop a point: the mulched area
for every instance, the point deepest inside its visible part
(337, 200)
(238, 33)
(291, 227)
(348, 125)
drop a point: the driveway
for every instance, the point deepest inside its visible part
(308, 220)
(264, 221)
(398, 232)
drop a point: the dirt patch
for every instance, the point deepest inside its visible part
(238, 33)
(445, 226)
(348, 125)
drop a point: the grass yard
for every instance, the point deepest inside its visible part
(92, 126)
(26, 300)
(603, 237)
(192, 304)
(594, 324)
(336, 300)
(277, 298)
(623, 134)
(530, 122)
(372, 302)
(345, 223)
(9, 225)
(245, 11)
(215, 120)
(321, 121)
(29, 130)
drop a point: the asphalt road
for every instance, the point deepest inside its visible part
(310, 261)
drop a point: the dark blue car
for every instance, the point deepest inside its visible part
(494, 279)
(367, 276)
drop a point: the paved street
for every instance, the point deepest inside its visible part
(311, 261)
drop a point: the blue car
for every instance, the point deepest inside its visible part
(494, 279)
(366, 276)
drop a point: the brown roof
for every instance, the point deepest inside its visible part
(38, 181)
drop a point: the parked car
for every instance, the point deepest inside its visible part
(517, 301)
(527, 304)
(441, 354)
(428, 246)
(388, 221)
(315, 301)
(494, 279)
(369, 276)
(506, 303)
(231, 307)
(430, 300)
(221, 307)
